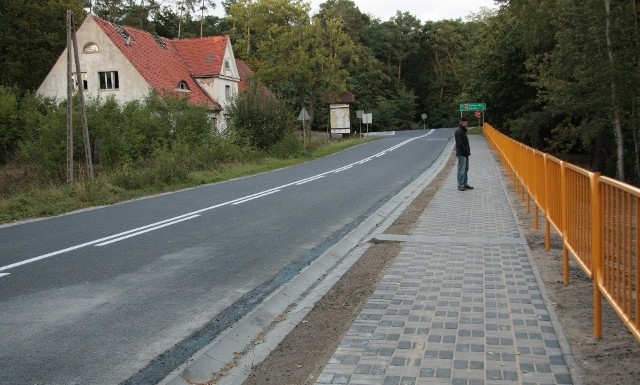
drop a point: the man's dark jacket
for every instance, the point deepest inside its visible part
(462, 142)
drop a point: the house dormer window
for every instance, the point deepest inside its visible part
(183, 86)
(90, 47)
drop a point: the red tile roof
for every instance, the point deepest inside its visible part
(244, 72)
(160, 62)
(204, 55)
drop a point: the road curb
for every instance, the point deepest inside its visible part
(230, 356)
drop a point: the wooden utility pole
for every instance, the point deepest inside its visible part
(69, 104)
(202, 17)
(71, 31)
(83, 107)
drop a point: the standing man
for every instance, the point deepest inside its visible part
(462, 152)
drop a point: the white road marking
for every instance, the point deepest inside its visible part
(303, 181)
(147, 230)
(342, 168)
(184, 217)
(256, 196)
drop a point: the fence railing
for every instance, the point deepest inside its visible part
(597, 217)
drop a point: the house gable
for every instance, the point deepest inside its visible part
(106, 71)
(212, 65)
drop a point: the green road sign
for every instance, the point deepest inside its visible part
(473, 107)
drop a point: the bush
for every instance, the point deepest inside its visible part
(289, 147)
(140, 144)
(259, 119)
(9, 134)
(163, 169)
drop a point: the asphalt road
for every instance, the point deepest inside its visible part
(125, 293)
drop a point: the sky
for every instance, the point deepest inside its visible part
(424, 10)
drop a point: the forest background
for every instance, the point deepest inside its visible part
(562, 76)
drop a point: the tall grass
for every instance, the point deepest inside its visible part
(164, 174)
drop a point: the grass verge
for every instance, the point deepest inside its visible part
(44, 201)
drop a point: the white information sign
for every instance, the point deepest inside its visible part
(340, 120)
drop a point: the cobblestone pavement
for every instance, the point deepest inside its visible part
(462, 304)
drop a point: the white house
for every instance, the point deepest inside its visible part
(128, 63)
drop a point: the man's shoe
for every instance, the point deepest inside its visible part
(460, 188)
(468, 187)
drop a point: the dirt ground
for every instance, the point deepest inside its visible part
(301, 356)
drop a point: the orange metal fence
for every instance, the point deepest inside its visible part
(597, 218)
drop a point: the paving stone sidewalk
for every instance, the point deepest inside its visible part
(462, 304)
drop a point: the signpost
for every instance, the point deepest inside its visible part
(303, 117)
(424, 118)
(479, 115)
(479, 109)
(473, 107)
(367, 119)
(359, 116)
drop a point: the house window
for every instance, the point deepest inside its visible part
(183, 86)
(109, 80)
(90, 47)
(83, 76)
(227, 92)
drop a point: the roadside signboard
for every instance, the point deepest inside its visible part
(367, 119)
(473, 107)
(340, 121)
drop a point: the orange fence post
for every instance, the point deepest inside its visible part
(564, 199)
(535, 192)
(596, 256)
(547, 206)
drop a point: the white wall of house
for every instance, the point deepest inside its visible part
(224, 87)
(108, 58)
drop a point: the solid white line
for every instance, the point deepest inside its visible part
(11, 266)
(138, 229)
(256, 196)
(253, 196)
(309, 180)
(147, 230)
(341, 169)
